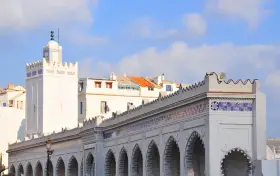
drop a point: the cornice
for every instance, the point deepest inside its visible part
(38, 142)
(156, 111)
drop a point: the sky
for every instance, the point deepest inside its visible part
(183, 39)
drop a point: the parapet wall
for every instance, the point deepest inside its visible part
(44, 67)
(210, 84)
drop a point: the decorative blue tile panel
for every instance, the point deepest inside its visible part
(231, 106)
(34, 73)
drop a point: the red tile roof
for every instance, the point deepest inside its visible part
(142, 81)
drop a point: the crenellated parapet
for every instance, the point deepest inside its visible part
(211, 84)
(50, 67)
(55, 137)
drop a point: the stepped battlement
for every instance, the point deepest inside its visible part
(51, 67)
(50, 64)
(211, 84)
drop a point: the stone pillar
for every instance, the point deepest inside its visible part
(212, 149)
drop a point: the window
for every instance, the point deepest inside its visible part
(81, 107)
(4, 104)
(104, 107)
(109, 85)
(97, 84)
(150, 88)
(81, 86)
(11, 103)
(168, 88)
(21, 107)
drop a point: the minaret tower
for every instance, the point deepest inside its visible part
(52, 96)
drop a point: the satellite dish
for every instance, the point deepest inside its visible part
(222, 75)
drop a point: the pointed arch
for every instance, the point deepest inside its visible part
(12, 170)
(60, 167)
(172, 158)
(49, 168)
(90, 165)
(123, 163)
(20, 170)
(136, 161)
(236, 162)
(110, 164)
(153, 160)
(38, 169)
(29, 169)
(73, 166)
(195, 155)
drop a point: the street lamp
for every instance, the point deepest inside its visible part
(49, 152)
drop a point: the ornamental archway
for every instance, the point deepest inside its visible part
(12, 170)
(110, 164)
(29, 170)
(60, 167)
(90, 165)
(38, 169)
(73, 167)
(137, 162)
(195, 156)
(171, 158)
(236, 162)
(49, 168)
(123, 163)
(20, 170)
(153, 160)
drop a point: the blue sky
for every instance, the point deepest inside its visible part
(182, 38)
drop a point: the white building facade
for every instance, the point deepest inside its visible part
(52, 92)
(212, 128)
(13, 96)
(116, 94)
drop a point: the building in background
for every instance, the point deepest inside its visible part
(52, 92)
(13, 96)
(12, 113)
(113, 95)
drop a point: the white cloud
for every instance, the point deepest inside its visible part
(184, 63)
(251, 11)
(273, 80)
(29, 14)
(195, 24)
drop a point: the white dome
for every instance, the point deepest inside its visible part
(52, 44)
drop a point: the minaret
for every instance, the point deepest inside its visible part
(53, 51)
(52, 96)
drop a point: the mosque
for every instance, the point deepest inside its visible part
(211, 128)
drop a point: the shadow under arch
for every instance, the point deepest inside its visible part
(60, 167)
(136, 161)
(153, 160)
(172, 158)
(73, 166)
(49, 166)
(123, 163)
(38, 169)
(195, 155)
(110, 164)
(236, 162)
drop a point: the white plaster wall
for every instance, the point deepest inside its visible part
(10, 120)
(60, 102)
(115, 103)
(34, 104)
